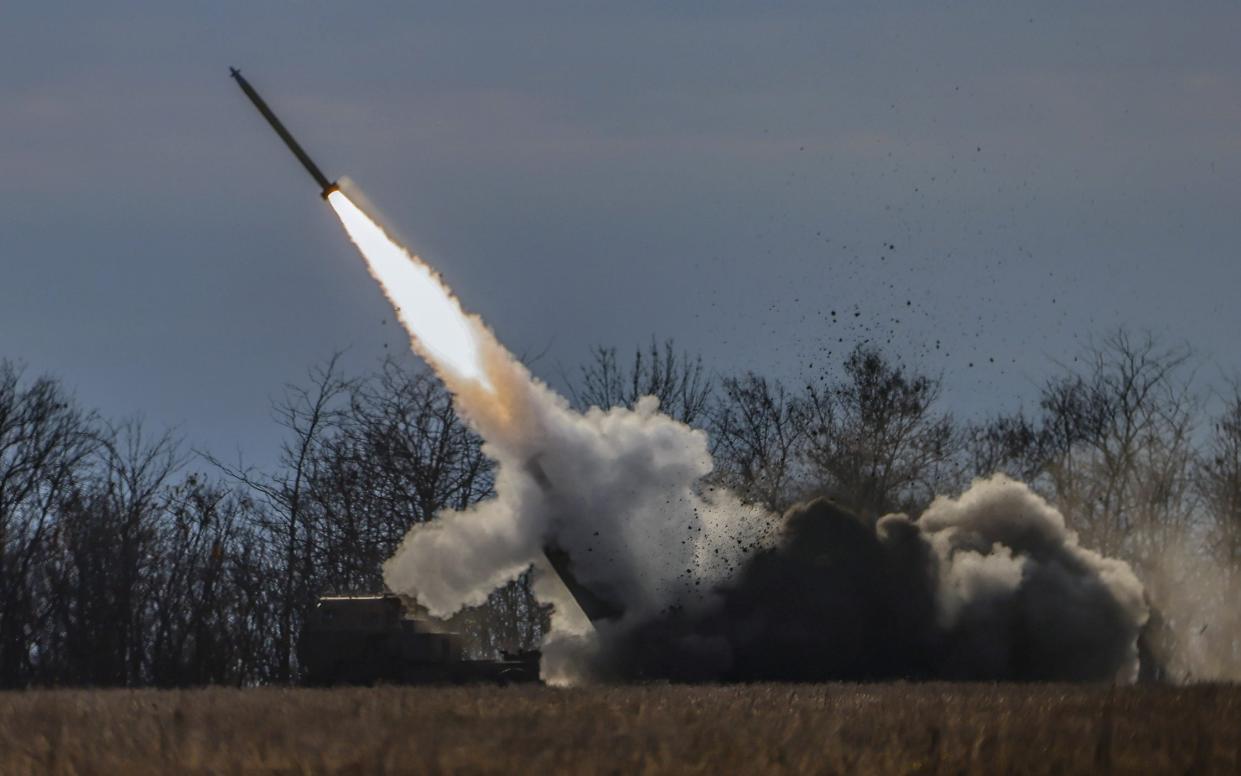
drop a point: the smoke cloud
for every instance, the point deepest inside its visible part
(700, 586)
(987, 586)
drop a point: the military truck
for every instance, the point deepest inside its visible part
(384, 639)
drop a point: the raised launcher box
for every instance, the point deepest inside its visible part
(376, 639)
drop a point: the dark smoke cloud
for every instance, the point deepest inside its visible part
(987, 586)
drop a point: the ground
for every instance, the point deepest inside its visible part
(834, 728)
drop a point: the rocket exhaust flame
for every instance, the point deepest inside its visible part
(441, 331)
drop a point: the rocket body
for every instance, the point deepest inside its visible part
(326, 187)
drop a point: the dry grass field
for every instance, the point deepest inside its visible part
(888, 728)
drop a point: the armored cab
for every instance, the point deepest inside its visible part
(373, 639)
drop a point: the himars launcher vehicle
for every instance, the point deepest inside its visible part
(384, 638)
(371, 639)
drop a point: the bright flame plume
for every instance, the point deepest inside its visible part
(441, 331)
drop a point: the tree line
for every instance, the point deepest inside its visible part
(126, 559)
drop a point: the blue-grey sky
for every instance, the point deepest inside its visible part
(1004, 183)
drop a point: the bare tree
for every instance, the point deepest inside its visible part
(1118, 440)
(1011, 444)
(1112, 444)
(107, 534)
(136, 470)
(309, 414)
(45, 443)
(678, 380)
(875, 442)
(398, 455)
(757, 432)
(210, 618)
(115, 568)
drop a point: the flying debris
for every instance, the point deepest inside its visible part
(326, 187)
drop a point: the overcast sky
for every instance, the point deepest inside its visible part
(1003, 183)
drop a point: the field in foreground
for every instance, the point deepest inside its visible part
(888, 728)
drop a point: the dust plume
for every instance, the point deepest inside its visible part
(1194, 617)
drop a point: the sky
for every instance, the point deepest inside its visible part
(981, 190)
